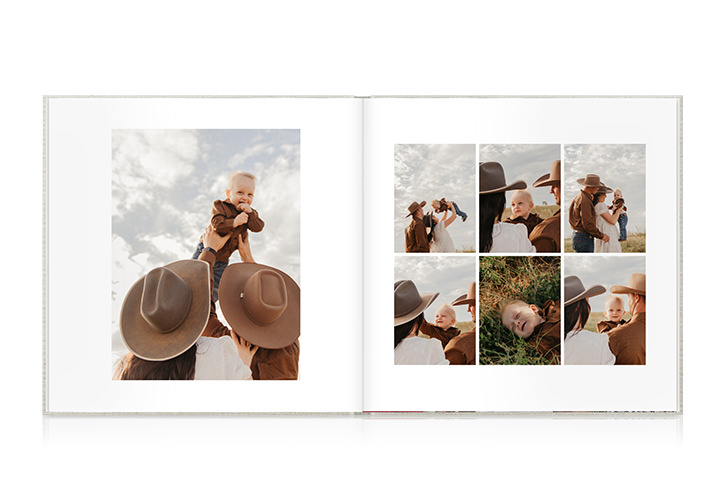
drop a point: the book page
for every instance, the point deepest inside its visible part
(501, 300)
(131, 185)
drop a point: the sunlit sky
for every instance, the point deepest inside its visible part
(430, 172)
(604, 270)
(164, 183)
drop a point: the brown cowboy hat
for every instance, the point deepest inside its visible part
(492, 179)
(468, 298)
(413, 207)
(604, 189)
(551, 179)
(591, 180)
(573, 290)
(408, 301)
(261, 304)
(636, 285)
(165, 312)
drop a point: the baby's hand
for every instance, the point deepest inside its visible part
(241, 219)
(245, 207)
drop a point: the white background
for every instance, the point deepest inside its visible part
(375, 48)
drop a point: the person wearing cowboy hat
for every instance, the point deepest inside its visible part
(606, 223)
(409, 348)
(415, 235)
(163, 317)
(582, 347)
(628, 342)
(462, 348)
(582, 216)
(546, 236)
(497, 236)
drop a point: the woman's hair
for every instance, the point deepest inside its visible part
(403, 330)
(491, 208)
(576, 315)
(429, 222)
(182, 367)
(597, 197)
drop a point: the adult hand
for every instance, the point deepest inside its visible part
(213, 239)
(245, 250)
(606, 238)
(241, 219)
(245, 350)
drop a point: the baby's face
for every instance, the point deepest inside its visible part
(617, 195)
(521, 319)
(242, 191)
(520, 205)
(435, 204)
(614, 311)
(443, 319)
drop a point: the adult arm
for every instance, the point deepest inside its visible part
(213, 241)
(245, 249)
(588, 220)
(611, 218)
(449, 220)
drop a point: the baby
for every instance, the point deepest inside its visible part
(443, 329)
(233, 215)
(623, 216)
(521, 203)
(540, 327)
(441, 205)
(614, 312)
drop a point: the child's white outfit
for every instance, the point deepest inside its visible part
(441, 240)
(600, 246)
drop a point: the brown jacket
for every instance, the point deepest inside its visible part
(267, 364)
(222, 220)
(532, 221)
(546, 236)
(604, 326)
(628, 342)
(461, 349)
(435, 332)
(415, 237)
(582, 215)
(546, 337)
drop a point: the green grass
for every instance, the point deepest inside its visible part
(533, 280)
(635, 243)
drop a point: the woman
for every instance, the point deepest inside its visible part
(582, 347)
(439, 238)
(606, 223)
(409, 348)
(496, 236)
(162, 321)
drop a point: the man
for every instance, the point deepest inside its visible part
(415, 235)
(546, 236)
(462, 348)
(628, 342)
(582, 215)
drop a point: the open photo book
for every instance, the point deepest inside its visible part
(362, 255)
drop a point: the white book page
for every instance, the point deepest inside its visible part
(390, 122)
(308, 193)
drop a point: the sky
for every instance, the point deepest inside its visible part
(604, 270)
(619, 166)
(164, 183)
(449, 275)
(430, 172)
(526, 162)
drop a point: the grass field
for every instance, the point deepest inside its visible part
(533, 280)
(636, 243)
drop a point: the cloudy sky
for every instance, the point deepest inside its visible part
(526, 162)
(605, 270)
(430, 172)
(164, 183)
(619, 166)
(449, 275)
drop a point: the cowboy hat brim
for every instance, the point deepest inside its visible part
(544, 180)
(509, 187)
(283, 332)
(588, 293)
(147, 343)
(427, 299)
(625, 289)
(582, 182)
(462, 300)
(418, 206)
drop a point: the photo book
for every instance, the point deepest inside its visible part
(391, 255)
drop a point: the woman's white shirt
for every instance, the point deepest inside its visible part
(583, 347)
(511, 238)
(217, 359)
(420, 351)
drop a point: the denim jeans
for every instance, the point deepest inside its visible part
(458, 211)
(219, 268)
(622, 221)
(582, 242)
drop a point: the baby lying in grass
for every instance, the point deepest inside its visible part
(540, 327)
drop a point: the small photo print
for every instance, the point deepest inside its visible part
(196, 207)
(605, 198)
(434, 198)
(435, 302)
(520, 310)
(519, 198)
(605, 311)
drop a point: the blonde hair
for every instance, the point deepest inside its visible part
(505, 303)
(525, 193)
(236, 175)
(612, 298)
(449, 309)
(617, 191)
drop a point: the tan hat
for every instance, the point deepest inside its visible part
(591, 180)
(551, 179)
(604, 189)
(573, 290)
(636, 285)
(165, 312)
(261, 304)
(408, 301)
(413, 207)
(492, 179)
(468, 298)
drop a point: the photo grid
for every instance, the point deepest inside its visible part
(543, 265)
